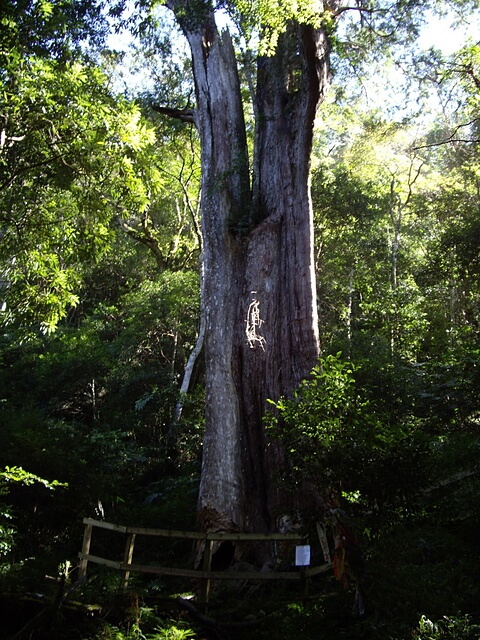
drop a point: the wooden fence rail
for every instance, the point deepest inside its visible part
(205, 574)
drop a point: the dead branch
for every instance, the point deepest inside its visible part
(185, 115)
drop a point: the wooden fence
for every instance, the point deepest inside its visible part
(205, 574)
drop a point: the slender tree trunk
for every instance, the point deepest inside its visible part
(192, 359)
(260, 308)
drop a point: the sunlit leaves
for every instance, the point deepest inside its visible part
(322, 405)
(269, 18)
(17, 474)
(325, 417)
(134, 132)
(72, 158)
(374, 223)
(39, 290)
(8, 477)
(48, 28)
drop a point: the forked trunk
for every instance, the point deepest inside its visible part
(261, 320)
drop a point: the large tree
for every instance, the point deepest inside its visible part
(259, 282)
(260, 306)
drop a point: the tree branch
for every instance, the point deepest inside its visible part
(339, 10)
(451, 137)
(185, 115)
(439, 144)
(35, 165)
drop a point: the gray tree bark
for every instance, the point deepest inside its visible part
(259, 282)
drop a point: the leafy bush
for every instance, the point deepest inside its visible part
(15, 475)
(339, 437)
(451, 628)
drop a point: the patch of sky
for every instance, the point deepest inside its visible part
(450, 32)
(132, 74)
(395, 86)
(387, 86)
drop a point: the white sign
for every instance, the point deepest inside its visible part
(302, 555)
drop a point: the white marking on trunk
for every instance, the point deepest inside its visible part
(253, 324)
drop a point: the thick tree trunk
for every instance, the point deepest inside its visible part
(280, 262)
(225, 199)
(261, 320)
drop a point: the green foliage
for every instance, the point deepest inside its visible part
(140, 622)
(8, 477)
(324, 403)
(454, 627)
(99, 241)
(271, 17)
(49, 28)
(17, 474)
(68, 157)
(77, 169)
(171, 633)
(341, 434)
(68, 404)
(372, 232)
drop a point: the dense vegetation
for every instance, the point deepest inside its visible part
(99, 313)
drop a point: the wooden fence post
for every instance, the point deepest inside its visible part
(305, 583)
(207, 566)
(87, 538)
(128, 557)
